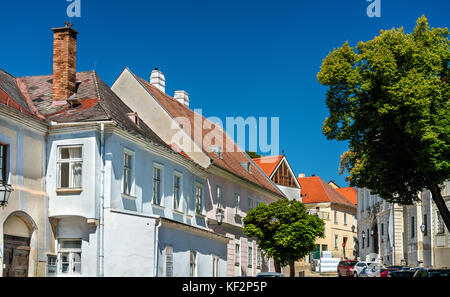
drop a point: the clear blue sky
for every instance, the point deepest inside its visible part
(235, 58)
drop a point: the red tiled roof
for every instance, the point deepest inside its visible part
(268, 164)
(317, 191)
(349, 193)
(230, 160)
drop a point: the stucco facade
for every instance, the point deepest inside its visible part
(25, 216)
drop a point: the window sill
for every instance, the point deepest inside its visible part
(69, 191)
(158, 206)
(177, 211)
(128, 196)
(200, 215)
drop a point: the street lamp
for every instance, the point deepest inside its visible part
(422, 228)
(219, 217)
(5, 192)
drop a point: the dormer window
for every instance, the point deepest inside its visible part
(246, 166)
(134, 117)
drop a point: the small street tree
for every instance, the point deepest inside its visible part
(389, 98)
(284, 231)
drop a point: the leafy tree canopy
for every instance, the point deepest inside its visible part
(283, 230)
(389, 98)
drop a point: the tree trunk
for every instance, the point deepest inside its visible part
(277, 266)
(292, 269)
(440, 204)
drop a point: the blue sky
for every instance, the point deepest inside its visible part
(235, 58)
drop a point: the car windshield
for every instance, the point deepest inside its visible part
(351, 263)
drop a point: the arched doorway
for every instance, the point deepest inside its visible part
(17, 235)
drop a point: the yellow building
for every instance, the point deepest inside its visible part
(338, 214)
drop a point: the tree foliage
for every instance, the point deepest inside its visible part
(283, 230)
(389, 98)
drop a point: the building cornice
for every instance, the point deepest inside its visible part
(24, 119)
(193, 229)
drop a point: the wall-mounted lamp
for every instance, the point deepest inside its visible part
(5, 192)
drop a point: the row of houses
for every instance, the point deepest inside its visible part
(94, 184)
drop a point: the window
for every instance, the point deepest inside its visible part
(193, 263)
(336, 237)
(345, 218)
(440, 223)
(258, 258)
(69, 256)
(413, 233)
(70, 165)
(382, 229)
(157, 185)
(324, 247)
(368, 237)
(169, 261)
(362, 240)
(198, 198)
(335, 217)
(219, 197)
(250, 203)
(425, 224)
(237, 252)
(3, 164)
(215, 266)
(250, 254)
(128, 178)
(237, 201)
(51, 266)
(177, 192)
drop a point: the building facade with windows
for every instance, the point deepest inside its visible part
(24, 228)
(419, 236)
(235, 183)
(121, 202)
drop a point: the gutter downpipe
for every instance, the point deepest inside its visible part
(101, 207)
(431, 231)
(158, 224)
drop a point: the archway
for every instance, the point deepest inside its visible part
(18, 231)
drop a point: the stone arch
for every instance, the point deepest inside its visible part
(20, 227)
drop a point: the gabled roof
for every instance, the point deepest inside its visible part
(270, 165)
(229, 161)
(97, 103)
(315, 190)
(349, 193)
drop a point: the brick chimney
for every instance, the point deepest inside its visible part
(64, 63)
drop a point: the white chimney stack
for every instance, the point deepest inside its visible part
(158, 80)
(182, 97)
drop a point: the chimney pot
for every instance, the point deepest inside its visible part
(158, 80)
(182, 97)
(64, 63)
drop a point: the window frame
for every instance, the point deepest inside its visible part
(70, 161)
(237, 204)
(199, 210)
(131, 154)
(160, 167)
(250, 204)
(219, 198)
(178, 207)
(4, 163)
(193, 263)
(70, 251)
(169, 263)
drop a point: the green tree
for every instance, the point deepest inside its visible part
(389, 98)
(284, 231)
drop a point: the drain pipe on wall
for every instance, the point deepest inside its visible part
(101, 208)
(158, 224)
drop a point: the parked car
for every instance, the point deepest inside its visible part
(376, 270)
(397, 268)
(345, 267)
(358, 268)
(429, 272)
(401, 273)
(269, 274)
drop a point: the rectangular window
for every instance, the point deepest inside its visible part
(70, 164)
(176, 192)
(425, 225)
(237, 201)
(258, 258)
(215, 266)
(382, 229)
(219, 197)
(157, 197)
(250, 254)
(250, 203)
(335, 217)
(169, 261)
(324, 247)
(193, 263)
(237, 255)
(440, 223)
(69, 256)
(345, 218)
(128, 178)
(336, 245)
(3, 164)
(368, 237)
(413, 229)
(198, 198)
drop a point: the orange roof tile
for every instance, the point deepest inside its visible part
(315, 190)
(349, 193)
(268, 164)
